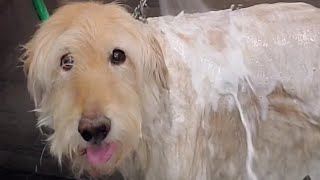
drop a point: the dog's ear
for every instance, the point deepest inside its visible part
(155, 63)
(38, 61)
(32, 56)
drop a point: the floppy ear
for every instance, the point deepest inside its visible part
(160, 72)
(30, 56)
(155, 62)
(37, 60)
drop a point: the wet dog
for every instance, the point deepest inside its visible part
(216, 95)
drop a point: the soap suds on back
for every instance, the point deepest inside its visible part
(214, 73)
(236, 55)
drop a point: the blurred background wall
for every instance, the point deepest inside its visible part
(21, 144)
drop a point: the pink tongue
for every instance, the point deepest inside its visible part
(100, 154)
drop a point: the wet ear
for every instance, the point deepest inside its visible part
(29, 59)
(156, 63)
(38, 61)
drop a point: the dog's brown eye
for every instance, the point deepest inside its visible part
(66, 62)
(118, 57)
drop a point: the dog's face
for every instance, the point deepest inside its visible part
(91, 69)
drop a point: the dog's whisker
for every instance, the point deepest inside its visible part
(43, 120)
(41, 156)
(70, 153)
(38, 110)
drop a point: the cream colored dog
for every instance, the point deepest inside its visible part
(217, 95)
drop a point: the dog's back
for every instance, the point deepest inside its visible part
(245, 84)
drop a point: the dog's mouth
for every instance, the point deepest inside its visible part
(98, 155)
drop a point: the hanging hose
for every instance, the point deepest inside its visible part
(41, 9)
(43, 13)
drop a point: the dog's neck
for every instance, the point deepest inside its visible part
(163, 112)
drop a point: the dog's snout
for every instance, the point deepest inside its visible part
(92, 131)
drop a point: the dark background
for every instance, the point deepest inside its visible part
(21, 144)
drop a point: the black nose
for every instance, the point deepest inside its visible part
(93, 132)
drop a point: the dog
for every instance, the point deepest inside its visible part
(215, 95)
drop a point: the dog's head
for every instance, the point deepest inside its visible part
(93, 71)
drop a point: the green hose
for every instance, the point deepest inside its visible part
(41, 9)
